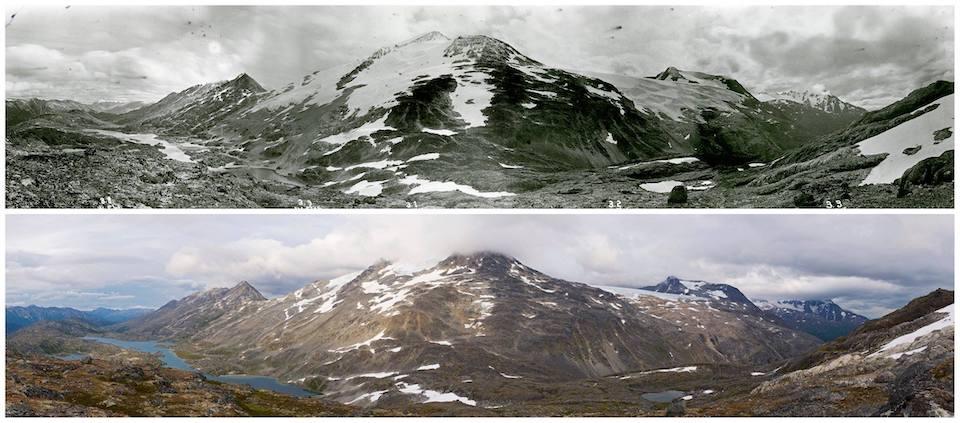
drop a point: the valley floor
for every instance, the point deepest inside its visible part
(90, 172)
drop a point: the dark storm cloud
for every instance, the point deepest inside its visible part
(868, 55)
(869, 263)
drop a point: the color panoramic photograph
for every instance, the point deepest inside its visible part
(479, 315)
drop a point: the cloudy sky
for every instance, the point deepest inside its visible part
(868, 263)
(870, 56)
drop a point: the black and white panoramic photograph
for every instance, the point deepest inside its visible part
(479, 106)
(480, 315)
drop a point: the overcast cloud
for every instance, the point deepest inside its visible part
(870, 56)
(868, 263)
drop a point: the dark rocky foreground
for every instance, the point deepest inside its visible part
(138, 386)
(125, 383)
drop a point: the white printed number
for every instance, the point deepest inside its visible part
(835, 204)
(614, 204)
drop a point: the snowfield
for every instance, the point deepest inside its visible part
(912, 133)
(443, 132)
(429, 367)
(362, 131)
(424, 186)
(675, 100)
(366, 188)
(433, 396)
(677, 160)
(687, 369)
(943, 323)
(610, 139)
(391, 70)
(662, 187)
(169, 149)
(424, 157)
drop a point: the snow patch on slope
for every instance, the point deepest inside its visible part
(943, 323)
(912, 133)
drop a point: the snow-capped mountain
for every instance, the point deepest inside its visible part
(821, 318)
(822, 100)
(467, 325)
(722, 295)
(468, 98)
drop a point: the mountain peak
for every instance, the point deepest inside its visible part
(671, 284)
(481, 260)
(483, 47)
(245, 290)
(701, 78)
(427, 37)
(480, 255)
(245, 81)
(242, 285)
(670, 73)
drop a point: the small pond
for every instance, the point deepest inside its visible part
(663, 396)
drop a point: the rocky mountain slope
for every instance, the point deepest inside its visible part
(824, 319)
(472, 329)
(19, 317)
(898, 365)
(196, 109)
(437, 114)
(186, 316)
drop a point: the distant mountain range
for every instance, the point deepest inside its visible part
(823, 101)
(18, 317)
(823, 319)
